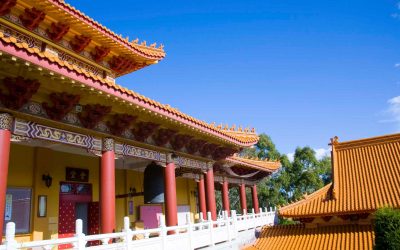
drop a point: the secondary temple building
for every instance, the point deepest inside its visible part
(74, 144)
(366, 177)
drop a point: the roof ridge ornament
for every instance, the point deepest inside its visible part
(334, 141)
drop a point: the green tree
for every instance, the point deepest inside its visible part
(387, 229)
(264, 149)
(305, 174)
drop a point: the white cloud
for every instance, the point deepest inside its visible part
(290, 156)
(394, 110)
(322, 152)
(319, 153)
(397, 65)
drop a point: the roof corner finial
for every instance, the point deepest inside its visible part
(161, 46)
(233, 128)
(240, 129)
(153, 45)
(219, 126)
(127, 38)
(143, 43)
(135, 41)
(334, 141)
(253, 130)
(247, 130)
(226, 127)
(213, 124)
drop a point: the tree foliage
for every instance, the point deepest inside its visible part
(387, 229)
(305, 174)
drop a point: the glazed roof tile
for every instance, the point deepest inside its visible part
(265, 165)
(150, 52)
(366, 176)
(298, 237)
(238, 137)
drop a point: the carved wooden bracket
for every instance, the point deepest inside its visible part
(80, 43)
(306, 220)
(6, 5)
(57, 31)
(63, 103)
(120, 123)
(20, 91)
(93, 114)
(179, 141)
(31, 18)
(208, 149)
(99, 53)
(163, 136)
(195, 145)
(121, 64)
(222, 153)
(144, 130)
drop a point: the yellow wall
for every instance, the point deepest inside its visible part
(28, 164)
(54, 163)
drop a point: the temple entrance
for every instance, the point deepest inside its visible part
(76, 203)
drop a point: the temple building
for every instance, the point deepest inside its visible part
(366, 177)
(75, 144)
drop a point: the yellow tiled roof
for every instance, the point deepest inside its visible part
(270, 166)
(366, 176)
(297, 237)
(60, 7)
(243, 138)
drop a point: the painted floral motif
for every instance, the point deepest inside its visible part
(5, 121)
(108, 144)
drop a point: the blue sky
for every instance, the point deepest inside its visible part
(300, 71)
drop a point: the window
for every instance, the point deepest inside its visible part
(18, 209)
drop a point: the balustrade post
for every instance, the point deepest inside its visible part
(81, 243)
(228, 225)
(127, 230)
(210, 227)
(234, 222)
(190, 231)
(253, 215)
(163, 232)
(11, 243)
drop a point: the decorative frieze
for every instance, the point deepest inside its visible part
(20, 37)
(190, 163)
(129, 150)
(37, 131)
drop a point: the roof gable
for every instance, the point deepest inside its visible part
(366, 176)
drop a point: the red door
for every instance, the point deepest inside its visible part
(72, 195)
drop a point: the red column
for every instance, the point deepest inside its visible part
(5, 140)
(171, 209)
(211, 205)
(255, 199)
(225, 197)
(202, 197)
(243, 203)
(107, 187)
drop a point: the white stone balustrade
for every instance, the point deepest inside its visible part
(225, 231)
